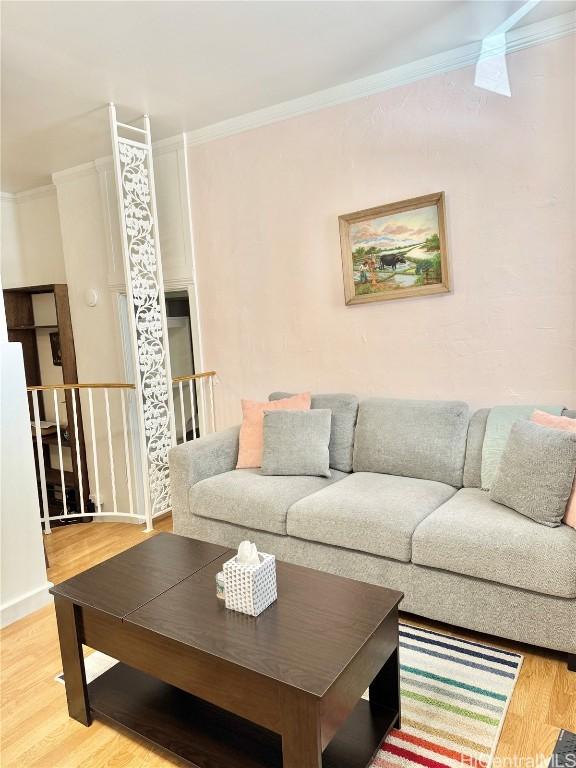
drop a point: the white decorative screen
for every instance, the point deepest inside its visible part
(144, 287)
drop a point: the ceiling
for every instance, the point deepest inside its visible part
(192, 64)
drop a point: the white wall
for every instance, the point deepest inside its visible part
(265, 206)
(32, 254)
(11, 264)
(96, 330)
(31, 241)
(23, 583)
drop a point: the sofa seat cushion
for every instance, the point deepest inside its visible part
(249, 498)
(475, 536)
(368, 512)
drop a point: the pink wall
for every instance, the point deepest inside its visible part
(265, 208)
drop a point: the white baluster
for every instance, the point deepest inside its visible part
(201, 400)
(110, 450)
(60, 459)
(192, 407)
(182, 412)
(41, 469)
(211, 394)
(94, 450)
(127, 453)
(74, 393)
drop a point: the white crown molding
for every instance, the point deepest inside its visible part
(47, 190)
(29, 194)
(104, 164)
(163, 146)
(70, 174)
(457, 58)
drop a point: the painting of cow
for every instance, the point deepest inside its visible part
(374, 242)
(391, 261)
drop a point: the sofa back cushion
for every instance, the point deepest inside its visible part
(476, 431)
(414, 438)
(344, 409)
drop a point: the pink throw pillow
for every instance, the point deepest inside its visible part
(568, 425)
(252, 429)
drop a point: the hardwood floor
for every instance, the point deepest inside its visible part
(36, 731)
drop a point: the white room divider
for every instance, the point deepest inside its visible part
(145, 292)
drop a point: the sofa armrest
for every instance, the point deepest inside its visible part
(197, 460)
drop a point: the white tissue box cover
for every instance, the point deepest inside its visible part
(250, 588)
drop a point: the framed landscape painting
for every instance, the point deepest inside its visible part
(395, 251)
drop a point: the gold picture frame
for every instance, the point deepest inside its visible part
(395, 251)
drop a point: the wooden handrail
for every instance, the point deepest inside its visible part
(116, 385)
(80, 386)
(193, 376)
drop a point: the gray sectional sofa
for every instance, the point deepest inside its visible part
(403, 509)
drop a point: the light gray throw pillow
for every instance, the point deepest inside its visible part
(536, 472)
(344, 409)
(296, 442)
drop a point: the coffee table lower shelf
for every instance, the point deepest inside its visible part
(209, 737)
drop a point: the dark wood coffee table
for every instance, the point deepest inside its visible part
(223, 690)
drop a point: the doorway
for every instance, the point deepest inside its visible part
(181, 351)
(183, 345)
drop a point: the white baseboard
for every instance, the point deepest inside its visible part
(24, 604)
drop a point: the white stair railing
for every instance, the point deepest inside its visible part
(99, 455)
(86, 448)
(194, 405)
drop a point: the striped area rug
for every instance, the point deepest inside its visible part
(454, 694)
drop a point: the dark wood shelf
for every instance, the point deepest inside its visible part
(30, 289)
(54, 478)
(24, 327)
(32, 327)
(206, 736)
(53, 440)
